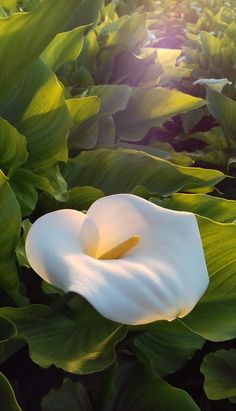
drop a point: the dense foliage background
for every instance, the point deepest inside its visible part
(100, 97)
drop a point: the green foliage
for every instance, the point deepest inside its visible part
(10, 219)
(218, 369)
(8, 399)
(157, 175)
(152, 107)
(153, 393)
(70, 396)
(81, 343)
(167, 346)
(17, 31)
(100, 97)
(218, 209)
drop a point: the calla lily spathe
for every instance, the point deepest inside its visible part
(159, 272)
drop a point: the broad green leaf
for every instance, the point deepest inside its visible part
(79, 198)
(125, 34)
(44, 121)
(64, 47)
(151, 107)
(217, 51)
(18, 30)
(161, 150)
(214, 318)
(224, 110)
(130, 67)
(216, 208)
(10, 347)
(83, 344)
(25, 184)
(88, 55)
(2, 12)
(25, 192)
(12, 147)
(81, 109)
(214, 137)
(112, 98)
(10, 222)
(8, 399)
(122, 170)
(139, 389)
(167, 346)
(71, 396)
(8, 343)
(219, 370)
(87, 12)
(7, 330)
(106, 132)
(9, 5)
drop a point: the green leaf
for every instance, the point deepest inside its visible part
(13, 151)
(82, 344)
(8, 399)
(218, 209)
(45, 122)
(167, 346)
(18, 30)
(81, 198)
(20, 248)
(88, 55)
(64, 47)
(151, 107)
(219, 370)
(139, 389)
(112, 98)
(70, 396)
(219, 243)
(122, 170)
(81, 109)
(25, 185)
(224, 110)
(7, 330)
(10, 222)
(9, 5)
(87, 12)
(125, 34)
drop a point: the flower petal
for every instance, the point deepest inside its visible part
(161, 278)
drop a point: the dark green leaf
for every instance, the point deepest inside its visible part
(71, 396)
(8, 399)
(219, 369)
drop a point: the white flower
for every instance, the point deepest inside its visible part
(134, 261)
(213, 83)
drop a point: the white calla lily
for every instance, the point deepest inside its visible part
(134, 261)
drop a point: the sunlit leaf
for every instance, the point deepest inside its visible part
(83, 344)
(122, 170)
(18, 30)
